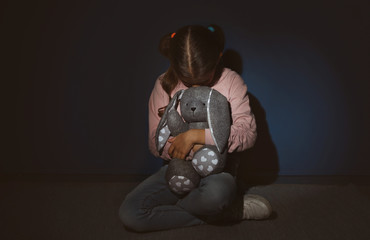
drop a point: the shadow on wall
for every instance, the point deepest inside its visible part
(260, 164)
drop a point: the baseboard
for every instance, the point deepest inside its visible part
(325, 179)
(73, 177)
(250, 180)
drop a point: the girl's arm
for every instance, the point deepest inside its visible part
(184, 142)
(243, 131)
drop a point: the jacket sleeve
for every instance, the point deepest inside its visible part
(243, 131)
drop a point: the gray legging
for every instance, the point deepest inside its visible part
(152, 206)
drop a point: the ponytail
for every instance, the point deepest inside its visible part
(219, 36)
(164, 45)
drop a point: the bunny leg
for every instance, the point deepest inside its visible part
(181, 176)
(208, 160)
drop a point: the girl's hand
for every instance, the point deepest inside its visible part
(184, 142)
(197, 147)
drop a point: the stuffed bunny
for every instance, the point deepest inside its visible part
(201, 107)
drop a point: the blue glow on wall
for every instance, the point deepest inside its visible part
(82, 76)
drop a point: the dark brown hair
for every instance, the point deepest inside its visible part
(195, 55)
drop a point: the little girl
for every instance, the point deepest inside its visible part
(195, 55)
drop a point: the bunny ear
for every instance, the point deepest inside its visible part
(163, 132)
(219, 120)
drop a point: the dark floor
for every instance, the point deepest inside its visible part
(80, 207)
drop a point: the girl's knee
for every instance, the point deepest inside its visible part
(218, 192)
(132, 216)
(220, 185)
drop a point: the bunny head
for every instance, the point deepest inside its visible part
(197, 104)
(193, 104)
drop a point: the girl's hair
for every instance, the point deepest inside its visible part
(195, 55)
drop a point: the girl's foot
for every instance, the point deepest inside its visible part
(256, 207)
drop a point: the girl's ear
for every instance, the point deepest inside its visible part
(163, 132)
(219, 119)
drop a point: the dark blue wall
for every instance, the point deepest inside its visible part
(80, 75)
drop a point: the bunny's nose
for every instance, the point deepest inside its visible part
(193, 109)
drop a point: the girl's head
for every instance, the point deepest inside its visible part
(195, 56)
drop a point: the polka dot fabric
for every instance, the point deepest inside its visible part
(164, 133)
(181, 184)
(206, 161)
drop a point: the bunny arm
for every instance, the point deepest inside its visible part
(175, 123)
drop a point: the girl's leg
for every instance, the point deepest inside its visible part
(152, 206)
(213, 199)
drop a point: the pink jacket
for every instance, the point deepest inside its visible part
(243, 130)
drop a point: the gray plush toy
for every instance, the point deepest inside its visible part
(201, 108)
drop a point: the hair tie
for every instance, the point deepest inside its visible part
(173, 34)
(210, 28)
